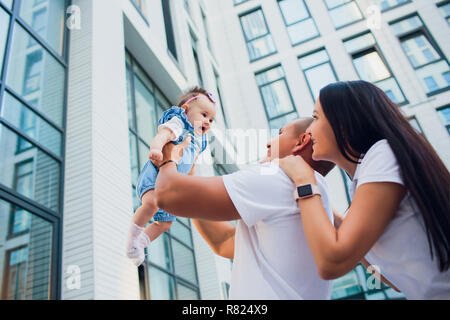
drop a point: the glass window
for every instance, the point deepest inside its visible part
(206, 28)
(300, 25)
(39, 85)
(343, 12)
(181, 232)
(184, 261)
(8, 3)
(279, 122)
(419, 51)
(161, 285)
(134, 159)
(160, 252)
(141, 5)
(444, 114)
(4, 23)
(318, 71)
(31, 124)
(275, 94)
(415, 124)
(46, 18)
(144, 150)
(388, 4)
(170, 36)
(347, 285)
(145, 110)
(257, 35)
(186, 293)
(406, 25)
(31, 173)
(431, 67)
(196, 61)
(25, 272)
(445, 11)
(371, 67)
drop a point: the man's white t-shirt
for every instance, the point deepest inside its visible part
(272, 259)
(402, 252)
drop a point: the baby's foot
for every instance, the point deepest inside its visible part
(132, 241)
(141, 243)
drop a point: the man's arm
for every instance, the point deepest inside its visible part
(188, 196)
(219, 235)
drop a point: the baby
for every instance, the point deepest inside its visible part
(193, 116)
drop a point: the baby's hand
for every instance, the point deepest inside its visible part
(155, 155)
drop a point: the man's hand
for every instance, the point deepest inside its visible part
(173, 151)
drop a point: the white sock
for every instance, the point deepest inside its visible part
(143, 240)
(133, 234)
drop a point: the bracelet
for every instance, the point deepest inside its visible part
(166, 162)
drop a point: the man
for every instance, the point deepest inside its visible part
(271, 256)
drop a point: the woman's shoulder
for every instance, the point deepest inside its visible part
(380, 150)
(379, 164)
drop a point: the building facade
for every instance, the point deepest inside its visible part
(84, 82)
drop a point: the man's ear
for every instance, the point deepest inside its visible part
(304, 140)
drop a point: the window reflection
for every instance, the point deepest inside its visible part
(26, 252)
(318, 71)
(371, 67)
(257, 35)
(430, 65)
(276, 96)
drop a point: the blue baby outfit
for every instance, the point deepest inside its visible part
(149, 173)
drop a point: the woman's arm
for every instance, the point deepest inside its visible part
(337, 251)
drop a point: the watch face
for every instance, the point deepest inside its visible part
(304, 191)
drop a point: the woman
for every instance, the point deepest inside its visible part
(399, 218)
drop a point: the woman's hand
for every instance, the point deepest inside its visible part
(173, 151)
(297, 169)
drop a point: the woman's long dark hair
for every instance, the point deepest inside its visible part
(362, 114)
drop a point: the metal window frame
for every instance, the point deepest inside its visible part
(421, 30)
(441, 4)
(395, 6)
(316, 65)
(299, 21)
(11, 196)
(241, 2)
(168, 26)
(341, 5)
(283, 78)
(141, 13)
(144, 278)
(446, 125)
(247, 41)
(374, 48)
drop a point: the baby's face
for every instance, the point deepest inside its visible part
(201, 113)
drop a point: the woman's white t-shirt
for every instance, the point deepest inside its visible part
(402, 252)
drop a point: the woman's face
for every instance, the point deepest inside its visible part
(322, 135)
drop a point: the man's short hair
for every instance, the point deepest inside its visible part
(192, 92)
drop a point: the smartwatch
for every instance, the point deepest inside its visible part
(306, 191)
